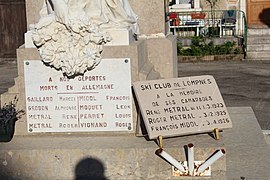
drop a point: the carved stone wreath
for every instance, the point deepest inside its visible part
(72, 48)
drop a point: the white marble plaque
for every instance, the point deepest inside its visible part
(100, 100)
(181, 106)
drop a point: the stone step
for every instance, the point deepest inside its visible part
(258, 44)
(258, 47)
(258, 55)
(113, 157)
(263, 31)
(262, 39)
(257, 59)
(7, 60)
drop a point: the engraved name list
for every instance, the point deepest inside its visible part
(99, 100)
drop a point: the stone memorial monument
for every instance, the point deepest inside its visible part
(75, 75)
(74, 40)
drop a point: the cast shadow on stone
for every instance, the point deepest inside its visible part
(265, 16)
(90, 169)
(140, 126)
(212, 134)
(6, 173)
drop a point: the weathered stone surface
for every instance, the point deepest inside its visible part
(128, 157)
(26, 54)
(162, 52)
(122, 157)
(248, 153)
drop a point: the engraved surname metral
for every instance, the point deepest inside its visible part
(39, 125)
(179, 117)
(40, 116)
(176, 109)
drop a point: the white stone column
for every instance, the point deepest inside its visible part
(196, 4)
(243, 6)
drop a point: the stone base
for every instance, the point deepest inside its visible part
(129, 157)
(120, 37)
(120, 157)
(28, 40)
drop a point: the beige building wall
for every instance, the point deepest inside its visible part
(221, 5)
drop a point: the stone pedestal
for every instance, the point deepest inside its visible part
(129, 157)
(120, 37)
(120, 157)
(150, 59)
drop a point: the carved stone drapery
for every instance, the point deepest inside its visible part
(70, 34)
